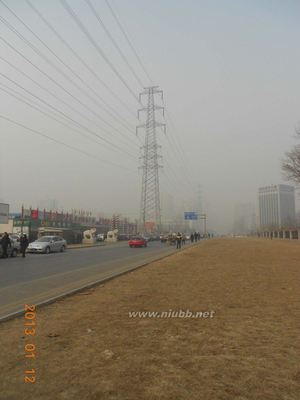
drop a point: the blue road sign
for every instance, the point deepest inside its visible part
(190, 215)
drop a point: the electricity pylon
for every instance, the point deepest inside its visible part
(150, 211)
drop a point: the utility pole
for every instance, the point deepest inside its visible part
(199, 208)
(150, 209)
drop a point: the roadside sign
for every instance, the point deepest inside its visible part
(4, 213)
(191, 215)
(34, 214)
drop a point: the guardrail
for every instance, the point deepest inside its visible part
(281, 234)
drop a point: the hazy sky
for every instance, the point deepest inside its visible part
(230, 75)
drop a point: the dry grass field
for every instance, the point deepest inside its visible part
(88, 348)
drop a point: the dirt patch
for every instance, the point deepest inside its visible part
(89, 348)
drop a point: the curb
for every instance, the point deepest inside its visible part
(70, 246)
(82, 246)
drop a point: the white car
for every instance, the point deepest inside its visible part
(47, 244)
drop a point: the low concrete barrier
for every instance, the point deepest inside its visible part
(281, 234)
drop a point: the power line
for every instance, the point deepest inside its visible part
(39, 133)
(96, 14)
(186, 178)
(167, 137)
(128, 40)
(180, 152)
(28, 102)
(179, 146)
(47, 90)
(82, 61)
(71, 12)
(37, 51)
(66, 116)
(49, 77)
(181, 160)
(178, 179)
(113, 115)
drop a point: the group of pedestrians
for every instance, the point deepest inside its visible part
(181, 238)
(6, 243)
(195, 237)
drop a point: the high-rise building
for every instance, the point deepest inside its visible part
(276, 206)
(244, 218)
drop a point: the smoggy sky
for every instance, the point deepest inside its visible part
(230, 75)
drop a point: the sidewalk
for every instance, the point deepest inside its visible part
(123, 339)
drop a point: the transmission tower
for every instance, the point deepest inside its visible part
(150, 211)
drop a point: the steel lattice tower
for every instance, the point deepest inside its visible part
(150, 211)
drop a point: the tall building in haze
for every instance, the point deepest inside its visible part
(276, 206)
(244, 218)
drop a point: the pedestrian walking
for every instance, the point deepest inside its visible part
(23, 244)
(183, 239)
(178, 240)
(5, 243)
(195, 236)
(192, 238)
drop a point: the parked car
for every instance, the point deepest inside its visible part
(14, 237)
(13, 250)
(163, 238)
(155, 237)
(137, 241)
(100, 237)
(122, 236)
(47, 244)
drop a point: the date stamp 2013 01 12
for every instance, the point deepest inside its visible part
(29, 347)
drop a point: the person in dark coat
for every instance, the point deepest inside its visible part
(183, 239)
(192, 238)
(195, 236)
(24, 244)
(178, 240)
(5, 242)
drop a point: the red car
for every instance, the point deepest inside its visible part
(137, 242)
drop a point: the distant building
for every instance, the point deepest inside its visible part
(276, 206)
(6, 223)
(244, 218)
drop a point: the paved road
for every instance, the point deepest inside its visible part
(40, 277)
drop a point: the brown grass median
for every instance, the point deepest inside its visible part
(89, 349)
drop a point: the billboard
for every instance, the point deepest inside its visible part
(34, 214)
(190, 215)
(4, 213)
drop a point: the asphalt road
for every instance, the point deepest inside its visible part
(40, 277)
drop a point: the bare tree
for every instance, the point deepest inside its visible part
(291, 164)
